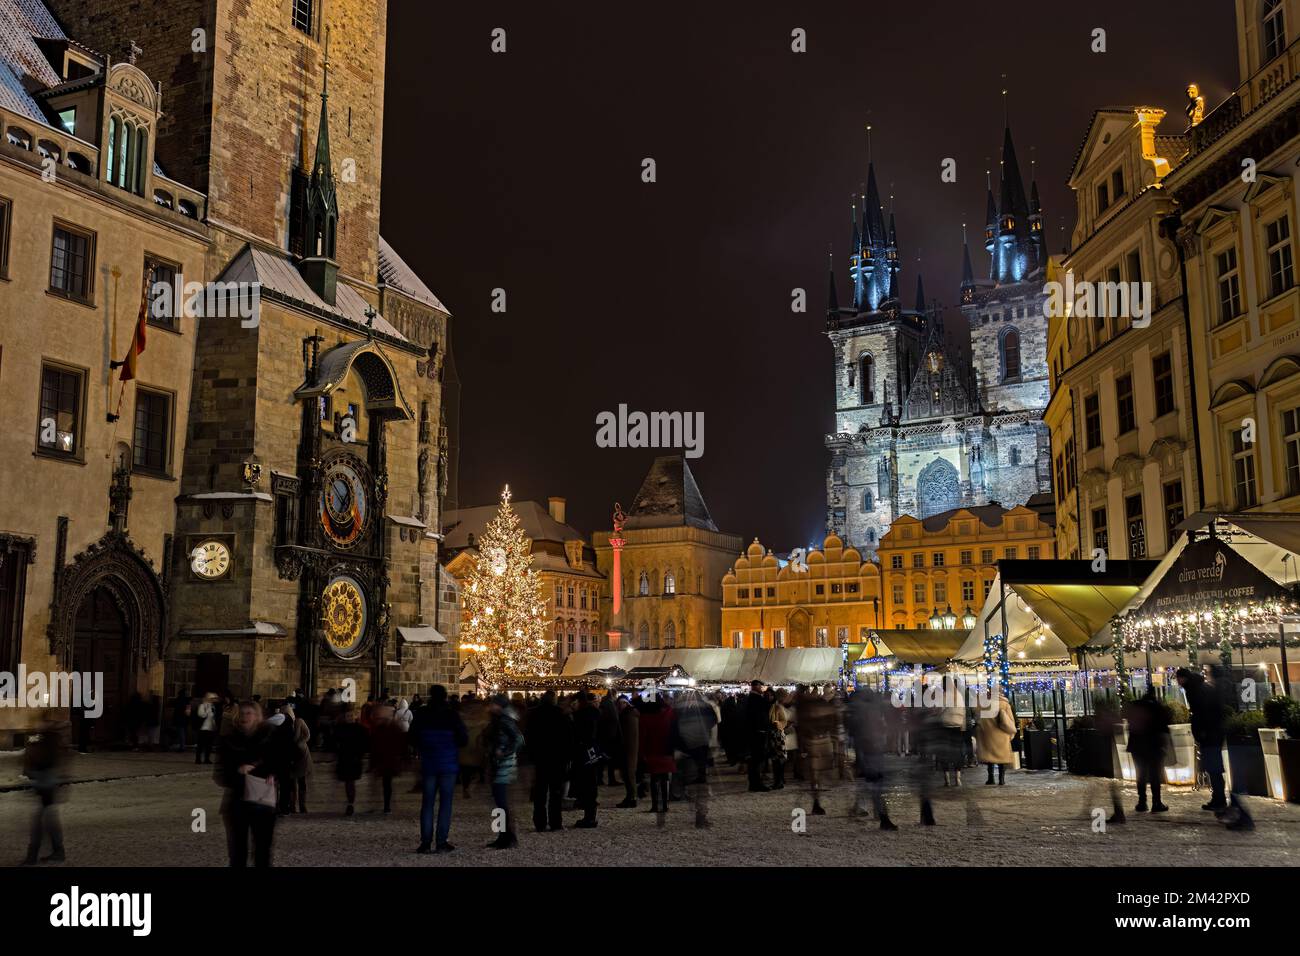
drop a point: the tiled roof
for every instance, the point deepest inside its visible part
(537, 522)
(668, 497)
(394, 271)
(277, 274)
(21, 22)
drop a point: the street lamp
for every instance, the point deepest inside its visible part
(969, 620)
(949, 619)
(936, 621)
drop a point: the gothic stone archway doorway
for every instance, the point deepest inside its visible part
(101, 645)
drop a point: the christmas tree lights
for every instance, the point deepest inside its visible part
(504, 627)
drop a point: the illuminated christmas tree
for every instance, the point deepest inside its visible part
(504, 625)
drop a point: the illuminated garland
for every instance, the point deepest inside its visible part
(992, 646)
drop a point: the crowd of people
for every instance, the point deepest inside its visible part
(659, 746)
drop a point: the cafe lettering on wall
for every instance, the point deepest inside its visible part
(1209, 573)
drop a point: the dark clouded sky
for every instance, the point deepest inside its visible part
(523, 171)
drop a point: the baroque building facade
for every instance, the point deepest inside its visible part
(1122, 408)
(946, 563)
(919, 428)
(1236, 191)
(671, 566)
(265, 516)
(828, 599)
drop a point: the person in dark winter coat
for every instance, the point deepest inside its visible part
(439, 733)
(1207, 707)
(42, 761)
(550, 747)
(609, 736)
(181, 708)
(629, 719)
(656, 747)
(253, 748)
(504, 741)
(758, 733)
(1148, 726)
(351, 742)
(586, 719)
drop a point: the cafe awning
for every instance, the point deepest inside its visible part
(1066, 600)
(917, 645)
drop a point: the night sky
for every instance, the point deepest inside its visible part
(523, 171)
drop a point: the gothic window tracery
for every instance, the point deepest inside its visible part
(937, 488)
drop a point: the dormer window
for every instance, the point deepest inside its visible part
(128, 150)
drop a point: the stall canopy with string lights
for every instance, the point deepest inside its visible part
(1046, 609)
(1065, 601)
(1228, 578)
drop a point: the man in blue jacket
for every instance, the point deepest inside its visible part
(438, 734)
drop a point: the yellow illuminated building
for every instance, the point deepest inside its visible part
(1121, 411)
(946, 563)
(829, 598)
(1236, 190)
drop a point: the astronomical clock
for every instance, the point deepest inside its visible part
(329, 517)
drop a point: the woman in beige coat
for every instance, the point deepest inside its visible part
(993, 739)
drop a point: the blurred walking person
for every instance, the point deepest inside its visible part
(695, 722)
(181, 713)
(473, 754)
(868, 725)
(629, 719)
(549, 737)
(609, 737)
(42, 765)
(387, 751)
(1209, 733)
(301, 767)
(209, 718)
(439, 734)
(818, 718)
(781, 716)
(249, 761)
(350, 745)
(504, 742)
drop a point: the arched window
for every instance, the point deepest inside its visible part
(868, 502)
(871, 536)
(670, 583)
(1014, 456)
(582, 637)
(643, 637)
(1010, 354)
(643, 587)
(573, 638)
(867, 379)
(1273, 31)
(670, 635)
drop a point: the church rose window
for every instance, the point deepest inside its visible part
(937, 489)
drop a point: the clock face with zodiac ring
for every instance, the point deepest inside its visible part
(344, 615)
(344, 507)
